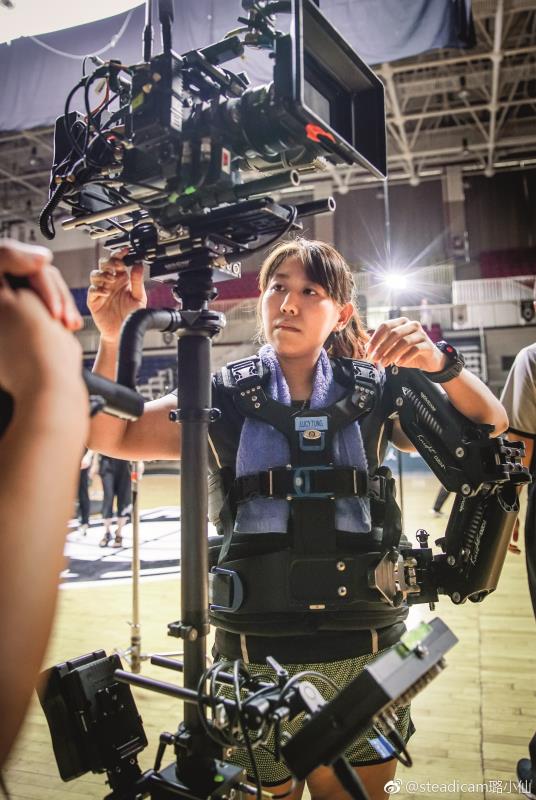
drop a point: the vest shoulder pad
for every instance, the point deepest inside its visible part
(244, 373)
(352, 372)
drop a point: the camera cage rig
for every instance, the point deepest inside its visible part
(163, 175)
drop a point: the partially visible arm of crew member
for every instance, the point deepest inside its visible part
(40, 367)
(404, 342)
(113, 295)
(35, 264)
(519, 399)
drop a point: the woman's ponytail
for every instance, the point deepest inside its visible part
(350, 341)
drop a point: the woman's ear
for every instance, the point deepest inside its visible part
(345, 315)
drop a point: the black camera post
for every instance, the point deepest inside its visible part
(163, 175)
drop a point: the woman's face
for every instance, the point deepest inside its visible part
(297, 314)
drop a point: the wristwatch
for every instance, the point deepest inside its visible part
(455, 364)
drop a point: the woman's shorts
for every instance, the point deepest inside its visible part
(360, 753)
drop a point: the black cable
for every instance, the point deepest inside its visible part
(243, 728)
(85, 82)
(349, 779)
(309, 673)
(65, 163)
(214, 734)
(92, 120)
(293, 212)
(46, 222)
(74, 144)
(100, 199)
(402, 754)
(118, 226)
(145, 186)
(400, 751)
(117, 114)
(3, 788)
(222, 738)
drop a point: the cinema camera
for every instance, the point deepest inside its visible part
(165, 173)
(165, 176)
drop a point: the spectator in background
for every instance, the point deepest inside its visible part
(519, 400)
(439, 502)
(86, 474)
(115, 476)
(425, 314)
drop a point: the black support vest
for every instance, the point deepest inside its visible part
(313, 578)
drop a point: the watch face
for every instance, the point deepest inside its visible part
(454, 366)
(450, 351)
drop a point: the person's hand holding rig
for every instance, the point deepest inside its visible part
(115, 293)
(405, 343)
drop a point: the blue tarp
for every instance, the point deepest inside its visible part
(35, 80)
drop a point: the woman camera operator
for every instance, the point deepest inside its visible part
(305, 305)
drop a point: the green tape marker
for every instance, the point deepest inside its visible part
(412, 638)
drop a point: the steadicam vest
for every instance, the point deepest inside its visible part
(314, 577)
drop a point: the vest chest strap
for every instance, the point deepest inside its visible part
(317, 482)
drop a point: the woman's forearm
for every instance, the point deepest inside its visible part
(474, 400)
(152, 436)
(106, 432)
(39, 463)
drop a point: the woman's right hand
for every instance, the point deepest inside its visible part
(37, 355)
(115, 293)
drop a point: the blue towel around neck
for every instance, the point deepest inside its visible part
(262, 447)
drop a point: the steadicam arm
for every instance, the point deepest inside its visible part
(484, 472)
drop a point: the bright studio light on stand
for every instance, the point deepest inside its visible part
(395, 280)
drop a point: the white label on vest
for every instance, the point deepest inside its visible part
(311, 423)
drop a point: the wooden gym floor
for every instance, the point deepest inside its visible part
(473, 722)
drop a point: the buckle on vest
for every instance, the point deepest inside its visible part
(231, 590)
(377, 487)
(243, 373)
(302, 482)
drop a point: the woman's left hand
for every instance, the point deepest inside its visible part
(404, 342)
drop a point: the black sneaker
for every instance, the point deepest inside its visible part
(526, 776)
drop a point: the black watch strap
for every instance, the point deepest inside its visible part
(456, 363)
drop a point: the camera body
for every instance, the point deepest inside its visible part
(192, 144)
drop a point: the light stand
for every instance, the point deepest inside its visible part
(135, 631)
(387, 224)
(133, 654)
